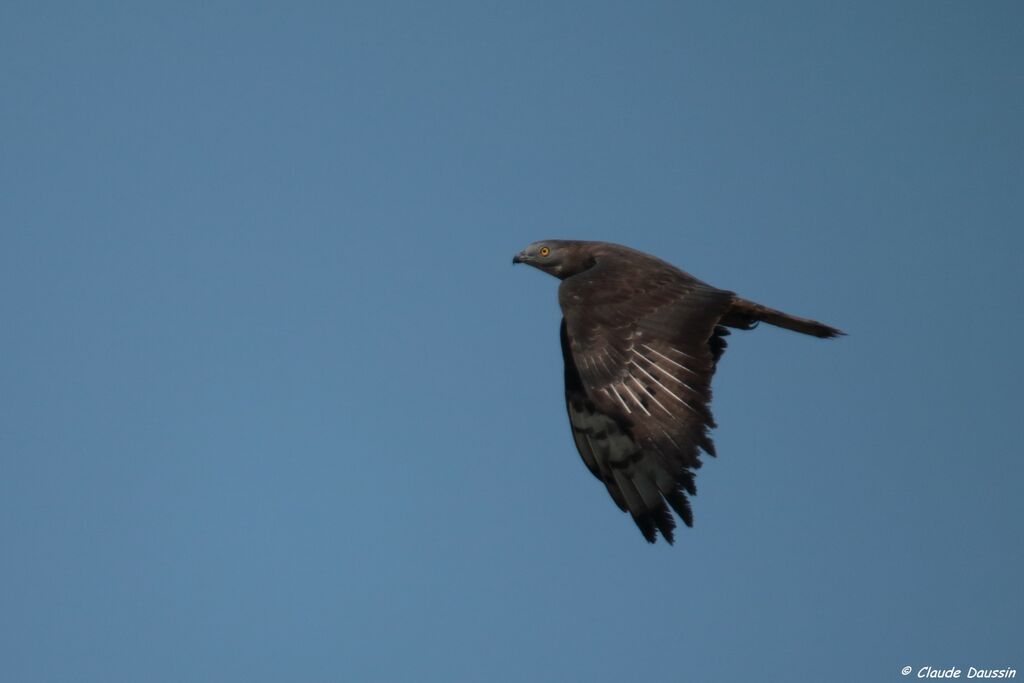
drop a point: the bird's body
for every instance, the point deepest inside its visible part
(640, 340)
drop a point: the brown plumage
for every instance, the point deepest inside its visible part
(640, 340)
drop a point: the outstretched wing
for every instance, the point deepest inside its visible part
(640, 347)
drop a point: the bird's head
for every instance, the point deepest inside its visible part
(561, 258)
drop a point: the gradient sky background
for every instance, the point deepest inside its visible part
(276, 407)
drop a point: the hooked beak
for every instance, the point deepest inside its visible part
(521, 257)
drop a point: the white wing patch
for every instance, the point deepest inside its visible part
(618, 396)
(638, 402)
(650, 395)
(633, 392)
(655, 380)
(666, 373)
(681, 353)
(678, 365)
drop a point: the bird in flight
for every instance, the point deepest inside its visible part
(640, 340)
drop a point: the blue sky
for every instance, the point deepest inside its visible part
(276, 406)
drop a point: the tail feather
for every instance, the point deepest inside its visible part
(746, 315)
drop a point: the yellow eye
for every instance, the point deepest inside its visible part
(544, 251)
